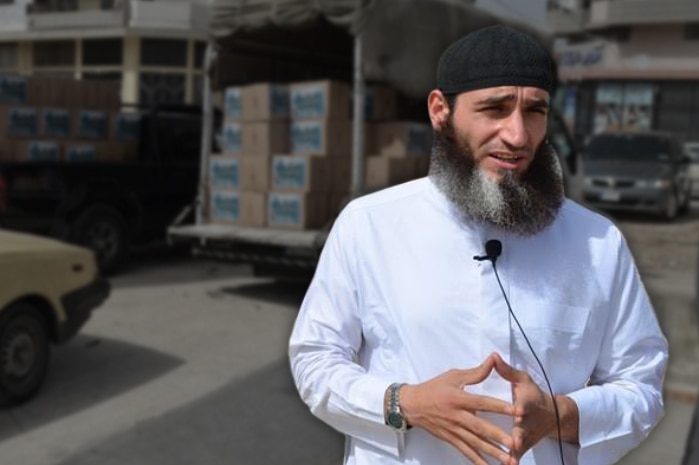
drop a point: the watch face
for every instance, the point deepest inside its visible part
(395, 420)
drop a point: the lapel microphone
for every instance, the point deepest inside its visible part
(493, 249)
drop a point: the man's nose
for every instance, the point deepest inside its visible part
(514, 131)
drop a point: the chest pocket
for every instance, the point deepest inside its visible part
(561, 335)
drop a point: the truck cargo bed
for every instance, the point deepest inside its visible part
(258, 246)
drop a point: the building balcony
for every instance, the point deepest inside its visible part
(159, 15)
(608, 13)
(13, 16)
(172, 15)
(48, 16)
(563, 21)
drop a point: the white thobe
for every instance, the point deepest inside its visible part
(398, 297)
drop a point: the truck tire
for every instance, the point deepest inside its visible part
(24, 353)
(103, 229)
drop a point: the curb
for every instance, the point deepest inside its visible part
(681, 392)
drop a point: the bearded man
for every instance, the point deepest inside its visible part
(424, 345)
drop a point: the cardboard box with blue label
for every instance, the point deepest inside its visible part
(91, 124)
(233, 103)
(126, 126)
(320, 99)
(13, 90)
(37, 151)
(301, 173)
(224, 172)
(56, 122)
(224, 205)
(321, 137)
(81, 153)
(20, 122)
(297, 210)
(401, 138)
(266, 102)
(237, 207)
(232, 134)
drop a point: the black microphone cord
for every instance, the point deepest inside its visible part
(541, 366)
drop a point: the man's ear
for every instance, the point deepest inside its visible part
(438, 109)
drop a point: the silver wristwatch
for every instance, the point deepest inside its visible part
(393, 415)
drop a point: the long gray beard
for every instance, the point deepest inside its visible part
(522, 205)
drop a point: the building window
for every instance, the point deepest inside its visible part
(106, 76)
(617, 34)
(199, 54)
(102, 52)
(54, 74)
(54, 53)
(9, 55)
(557, 5)
(691, 31)
(678, 107)
(198, 91)
(155, 88)
(163, 52)
(54, 5)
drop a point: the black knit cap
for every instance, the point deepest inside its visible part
(495, 56)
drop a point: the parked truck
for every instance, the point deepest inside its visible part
(107, 205)
(246, 49)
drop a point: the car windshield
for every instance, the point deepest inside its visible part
(693, 152)
(633, 147)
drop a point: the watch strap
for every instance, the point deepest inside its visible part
(392, 412)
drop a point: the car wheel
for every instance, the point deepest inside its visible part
(24, 353)
(103, 229)
(686, 202)
(671, 207)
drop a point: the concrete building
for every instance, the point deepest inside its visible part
(628, 64)
(154, 47)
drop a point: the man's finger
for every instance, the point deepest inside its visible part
(476, 375)
(508, 372)
(488, 431)
(489, 404)
(473, 447)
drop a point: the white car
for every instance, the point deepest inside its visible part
(48, 290)
(692, 151)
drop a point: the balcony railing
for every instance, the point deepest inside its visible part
(141, 14)
(76, 19)
(169, 15)
(627, 12)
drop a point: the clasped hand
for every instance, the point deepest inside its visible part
(447, 411)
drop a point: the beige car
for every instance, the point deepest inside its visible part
(48, 290)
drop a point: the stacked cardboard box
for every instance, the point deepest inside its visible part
(52, 119)
(256, 126)
(401, 153)
(286, 157)
(321, 143)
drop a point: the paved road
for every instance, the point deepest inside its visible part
(185, 363)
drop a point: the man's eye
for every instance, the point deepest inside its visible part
(493, 109)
